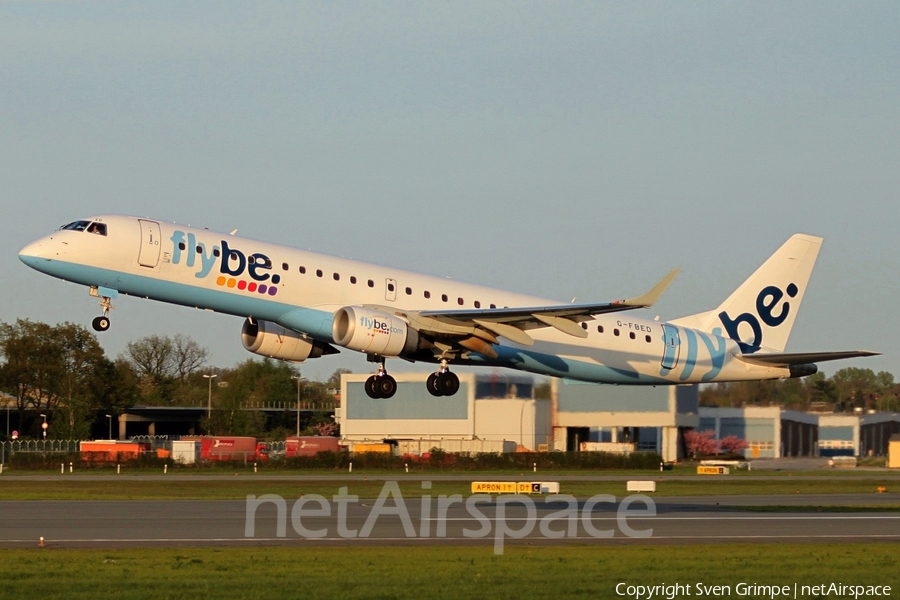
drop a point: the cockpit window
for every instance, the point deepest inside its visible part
(75, 226)
(98, 228)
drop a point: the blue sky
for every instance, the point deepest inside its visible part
(561, 149)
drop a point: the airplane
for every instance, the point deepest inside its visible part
(299, 305)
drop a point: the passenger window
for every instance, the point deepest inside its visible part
(337, 277)
(427, 294)
(390, 287)
(493, 306)
(285, 267)
(647, 337)
(631, 335)
(584, 325)
(199, 249)
(444, 297)
(409, 291)
(459, 301)
(477, 304)
(353, 279)
(250, 259)
(181, 246)
(615, 332)
(371, 283)
(303, 270)
(216, 252)
(599, 328)
(318, 272)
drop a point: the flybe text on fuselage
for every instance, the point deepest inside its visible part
(232, 263)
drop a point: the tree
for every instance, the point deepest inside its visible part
(732, 444)
(165, 366)
(62, 371)
(701, 443)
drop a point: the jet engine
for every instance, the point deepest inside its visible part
(268, 339)
(373, 332)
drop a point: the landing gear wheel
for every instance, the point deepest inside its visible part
(381, 386)
(100, 323)
(447, 383)
(371, 390)
(386, 386)
(431, 385)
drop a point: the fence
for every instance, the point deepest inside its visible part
(7, 449)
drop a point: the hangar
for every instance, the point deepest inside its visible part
(500, 407)
(487, 408)
(595, 416)
(773, 432)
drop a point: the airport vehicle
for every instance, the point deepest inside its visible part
(231, 447)
(299, 305)
(310, 445)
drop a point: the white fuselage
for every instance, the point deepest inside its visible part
(302, 290)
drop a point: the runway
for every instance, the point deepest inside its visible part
(426, 520)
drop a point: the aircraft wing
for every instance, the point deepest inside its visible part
(512, 323)
(781, 359)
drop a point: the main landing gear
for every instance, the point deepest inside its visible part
(442, 383)
(381, 385)
(101, 323)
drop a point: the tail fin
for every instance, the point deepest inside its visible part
(761, 313)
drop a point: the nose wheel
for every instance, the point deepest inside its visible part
(101, 323)
(381, 385)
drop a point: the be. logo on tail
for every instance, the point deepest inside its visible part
(768, 302)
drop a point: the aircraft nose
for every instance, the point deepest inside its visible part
(34, 252)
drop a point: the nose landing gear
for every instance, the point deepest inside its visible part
(101, 323)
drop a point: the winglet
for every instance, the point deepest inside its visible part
(650, 298)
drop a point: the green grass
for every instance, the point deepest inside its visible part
(170, 488)
(431, 572)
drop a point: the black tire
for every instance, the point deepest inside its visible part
(386, 386)
(100, 323)
(372, 389)
(431, 385)
(448, 383)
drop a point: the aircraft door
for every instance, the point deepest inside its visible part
(150, 246)
(673, 346)
(390, 289)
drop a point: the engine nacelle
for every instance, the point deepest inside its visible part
(373, 332)
(268, 339)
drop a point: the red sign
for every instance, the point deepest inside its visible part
(15, 435)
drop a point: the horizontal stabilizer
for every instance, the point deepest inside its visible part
(782, 359)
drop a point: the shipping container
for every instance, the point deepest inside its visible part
(186, 451)
(454, 446)
(243, 448)
(310, 445)
(112, 451)
(367, 448)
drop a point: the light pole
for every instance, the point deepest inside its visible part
(44, 426)
(110, 425)
(209, 399)
(299, 379)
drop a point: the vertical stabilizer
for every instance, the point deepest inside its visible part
(761, 313)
